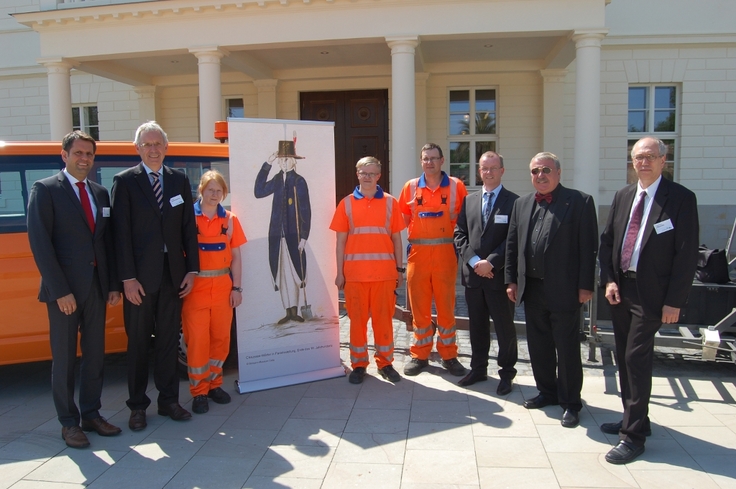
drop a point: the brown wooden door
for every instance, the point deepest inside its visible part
(361, 129)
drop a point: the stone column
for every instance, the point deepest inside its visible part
(60, 96)
(404, 156)
(146, 103)
(210, 91)
(588, 111)
(553, 133)
(266, 98)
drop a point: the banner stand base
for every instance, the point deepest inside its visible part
(246, 386)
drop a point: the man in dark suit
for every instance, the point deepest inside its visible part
(288, 231)
(649, 253)
(157, 257)
(550, 266)
(480, 236)
(72, 244)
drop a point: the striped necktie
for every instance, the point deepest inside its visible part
(157, 190)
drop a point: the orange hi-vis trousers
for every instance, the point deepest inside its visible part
(206, 319)
(374, 300)
(430, 273)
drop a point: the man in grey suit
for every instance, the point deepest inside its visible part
(480, 237)
(71, 241)
(550, 266)
(157, 257)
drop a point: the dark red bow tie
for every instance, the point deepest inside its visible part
(539, 198)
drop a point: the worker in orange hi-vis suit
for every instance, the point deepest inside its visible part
(430, 205)
(207, 312)
(369, 268)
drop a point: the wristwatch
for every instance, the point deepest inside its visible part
(401, 269)
(238, 289)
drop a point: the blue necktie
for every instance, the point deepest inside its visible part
(487, 207)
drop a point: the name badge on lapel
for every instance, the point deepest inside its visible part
(174, 201)
(664, 226)
(501, 219)
(105, 212)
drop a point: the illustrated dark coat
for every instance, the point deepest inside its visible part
(291, 217)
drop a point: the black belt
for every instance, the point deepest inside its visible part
(628, 274)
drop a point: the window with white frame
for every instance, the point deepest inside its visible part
(234, 107)
(84, 118)
(653, 111)
(472, 130)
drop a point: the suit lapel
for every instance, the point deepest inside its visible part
(622, 220)
(67, 186)
(97, 194)
(558, 208)
(660, 199)
(500, 199)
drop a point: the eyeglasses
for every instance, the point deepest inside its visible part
(431, 159)
(541, 169)
(649, 158)
(363, 174)
(489, 170)
(147, 146)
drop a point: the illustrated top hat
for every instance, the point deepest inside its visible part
(286, 150)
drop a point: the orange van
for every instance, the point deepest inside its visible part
(24, 325)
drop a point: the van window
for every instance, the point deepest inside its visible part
(14, 189)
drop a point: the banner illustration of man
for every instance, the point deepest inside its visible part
(288, 229)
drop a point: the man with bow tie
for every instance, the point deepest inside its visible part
(550, 266)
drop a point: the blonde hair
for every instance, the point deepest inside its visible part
(212, 176)
(368, 160)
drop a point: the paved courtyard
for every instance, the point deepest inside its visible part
(425, 432)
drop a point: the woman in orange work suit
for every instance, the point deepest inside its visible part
(207, 311)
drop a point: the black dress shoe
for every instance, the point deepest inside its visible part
(623, 453)
(473, 377)
(504, 387)
(137, 420)
(539, 402)
(570, 418)
(101, 426)
(614, 428)
(175, 412)
(74, 437)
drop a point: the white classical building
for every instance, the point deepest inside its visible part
(579, 78)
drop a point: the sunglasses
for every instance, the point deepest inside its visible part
(541, 169)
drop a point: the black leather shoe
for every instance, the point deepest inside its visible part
(614, 428)
(200, 404)
(101, 426)
(570, 418)
(472, 377)
(219, 396)
(357, 375)
(454, 367)
(623, 453)
(175, 412)
(504, 387)
(74, 437)
(137, 420)
(539, 402)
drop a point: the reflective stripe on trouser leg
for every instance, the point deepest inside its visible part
(374, 300)
(206, 320)
(431, 273)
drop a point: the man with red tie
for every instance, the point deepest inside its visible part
(71, 240)
(550, 266)
(649, 253)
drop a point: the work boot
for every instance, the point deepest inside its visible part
(357, 375)
(454, 367)
(219, 396)
(389, 373)
(415, 366)
(200, 404)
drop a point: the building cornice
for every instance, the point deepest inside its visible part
(668, 40)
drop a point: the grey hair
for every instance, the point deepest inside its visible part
(544, 155)
(660, 143)
(150, 126)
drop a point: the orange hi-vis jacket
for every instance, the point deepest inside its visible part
(369, 250)
(434, 212)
